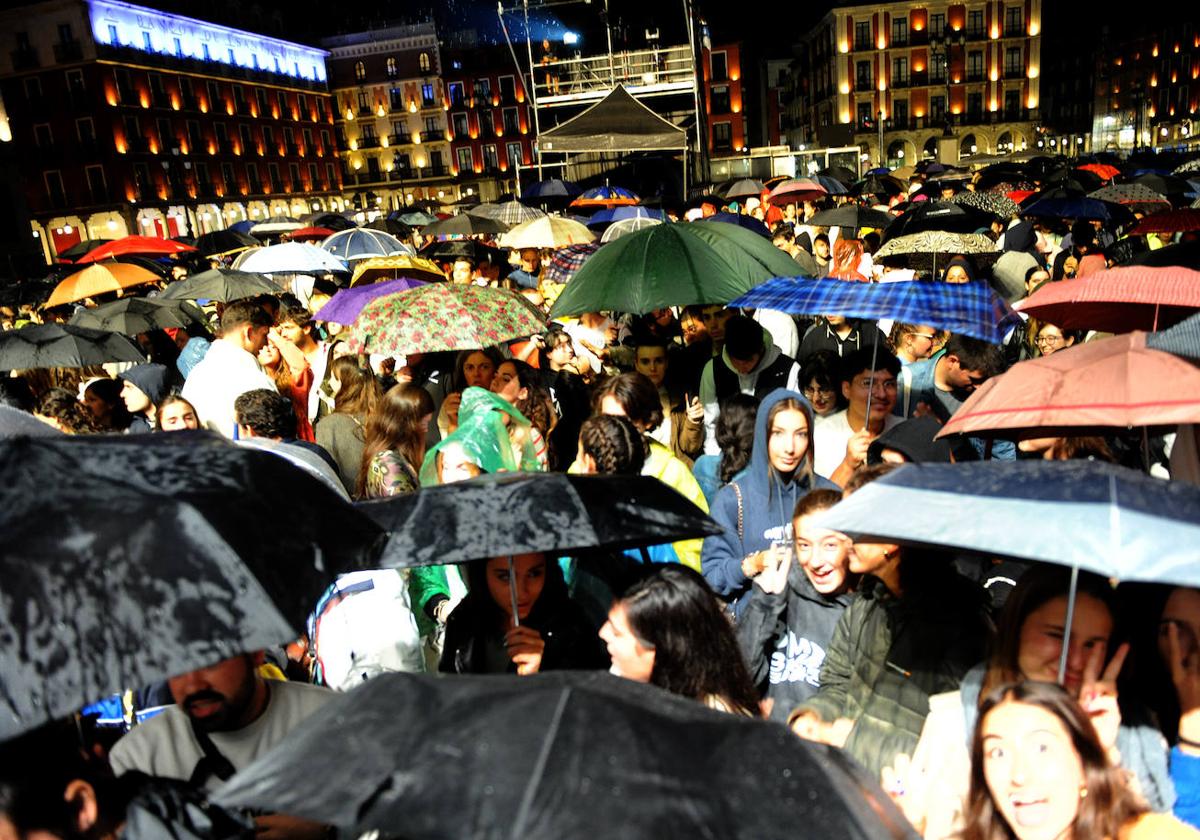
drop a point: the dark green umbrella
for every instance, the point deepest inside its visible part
(673, 265)
(131, 316)
(222, 284)
(63, 345)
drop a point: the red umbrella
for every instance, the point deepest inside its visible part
(143, 245)
(1103, 170)
(312, 234)
(1170, 221)
(1118, 300)
(1114, 383)
(796, 190)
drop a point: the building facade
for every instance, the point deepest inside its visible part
(137, 121)
(725, 99)
(924, 72)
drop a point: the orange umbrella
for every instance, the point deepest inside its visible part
(148, 245)
(98, 279)
(1103, 170)
(1114, 383)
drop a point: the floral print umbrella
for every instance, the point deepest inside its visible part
(442, 316)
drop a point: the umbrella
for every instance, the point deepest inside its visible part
(745, 188)
(741, 220)
(345, 304)
(310, 234)
(275, 224)
(556, 755)
(224, 242)
(1170, 221)
(564, 262)
(1103, 170)
(996, 204)
(853, 216)
(1113, 383)
(99, 279)
(606, 197)
(673, 265)
(1186, 168)
(358, 243)
(625, 227)
(486, 210)
(138, 567)
(132, 316)
(443, 316)
(416, 218)
(1067, 207)
(393, 226)
(608, 215)
(1136, 197)
(1183, 339)
(1186, 254)
(841, 173)
(402, 265)
(293, 258)
(1116, 522)
(521, 513)
(1169, 185)
(219, 284)
(797, 190)
(63, 345)
(464, 224)
(971, 309)
(136, 245)
(514, 212)
(17, 423)
(81, 249)
(546, 232)
(554, 188)
(332, 221)
(878, 185)
(926, 251)
(1118, 299)
(832, 185)
(941, 216)
(471, 249)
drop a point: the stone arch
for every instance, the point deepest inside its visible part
(968, 145)
(929, 149)
(900, 152)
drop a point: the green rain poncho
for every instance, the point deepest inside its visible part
(488, 442)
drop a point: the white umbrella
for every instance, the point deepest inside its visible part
(547, 232)
(623, 226)
(276, 224)
(293, 258)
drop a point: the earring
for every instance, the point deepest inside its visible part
(1083, 792)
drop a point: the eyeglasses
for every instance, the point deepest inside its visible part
(1048, 340)
(888, 386)
(810, 391)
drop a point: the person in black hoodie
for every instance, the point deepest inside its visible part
(145, 385)
(549, 631)
(794, 608)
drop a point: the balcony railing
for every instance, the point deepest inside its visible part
(370, 142)
(255, 186)
(68, 51)
(666, 70)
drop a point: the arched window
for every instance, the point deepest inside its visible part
(423, 62)
(360, 71)
(391, 67)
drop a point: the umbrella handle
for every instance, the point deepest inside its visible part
(512, 591)
(1066, 642)
(874, 355)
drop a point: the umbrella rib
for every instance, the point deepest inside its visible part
(539, 768)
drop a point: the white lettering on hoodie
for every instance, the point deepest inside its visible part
(797, 660)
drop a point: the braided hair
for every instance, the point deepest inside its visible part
(614, 443)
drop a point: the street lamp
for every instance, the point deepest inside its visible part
(939, 48)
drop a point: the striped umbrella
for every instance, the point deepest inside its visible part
(1172, 221)
(1118, 300)
(546, 232)
(1183, 339)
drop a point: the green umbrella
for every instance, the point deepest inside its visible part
(443, 316)
(674, 265)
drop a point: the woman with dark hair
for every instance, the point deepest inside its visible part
(820, 382)
(394, 443)
(1041, 768)
(342, 433)
(670, 632)
(610, 446)
(735, 437)
(174, 414)
(572, 401)
(547, 632)
(59, 408)
(292, 374)
(472, 369)
(520, 384)
(103, 398)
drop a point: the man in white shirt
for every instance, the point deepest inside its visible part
(841, 440)
(230, 368)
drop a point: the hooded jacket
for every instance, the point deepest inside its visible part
(767, 502)
(719, 380)
(915, 438)
(153, 381)
(784, 637)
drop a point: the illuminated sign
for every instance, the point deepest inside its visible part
(125, 25)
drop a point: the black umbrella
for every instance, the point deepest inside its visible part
(937, 216)
(224, 241)
(63, 345)
(844, 174)
(131, 558)
(1171, 186)
(392, 226)
(520, 513)
(878, 185)
(329, 221)
(453, 249)
(851, 216)
(1186, 254)
(82, 249)
(221, 284)
(132, 316)
(556, 755)
(465, 224)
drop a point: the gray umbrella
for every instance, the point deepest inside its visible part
(64, 345)
(1183, 339)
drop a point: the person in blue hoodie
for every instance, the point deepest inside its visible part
(145, 386)
(756, 507)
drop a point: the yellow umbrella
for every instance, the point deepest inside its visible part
(98, 279)
(374, 269)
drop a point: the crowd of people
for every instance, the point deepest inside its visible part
(938, 673)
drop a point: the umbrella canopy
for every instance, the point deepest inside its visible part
(1186, 168)
(966, 308)
(137, 567)
(17, 423)
(854, 216)
(443, 316)
(465, 224)
(486, 210)
(996, 204)
(565, 262)
(1171, 221)
(608, 215)
(929, 251)
(1072, 207)
(332, 221)
(275, 224)
(393, 226)
(1103, 170)
(1171, 186)
(940, 216)
(224, 242)
(554, 188)
(63, 345)
(310, 234)
(82, 248)
(150, 245)
(884, 185)
(745, 188)
(520, 513)
(359, 243)
(743, 221)
(293, 258)
(1118, 300)
(546, 232)
(345, 304)
(1116, 522)
(1185, 254)
(796, 190)
(220, 284)
(673, 265)
(556, 755)
(1136, 197)
(842, 173)
(1183, 339)
(99, 279)
(132, 316)
(624, 227)
(1113, 383)
(471, 249)
(401, 265)
(416, 218)
(832, 185)
(512, 213)
(606, 197)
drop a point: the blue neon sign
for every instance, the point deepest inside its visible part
(135, 27)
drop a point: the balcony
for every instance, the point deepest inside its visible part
(365, 111)
(160, 98)
(399, 139)
(205, 189)
(25, 59)
(431, 105)
(255, 186)
(402, 174)
(397, 106)
(368, 142)
(67, 52)
(643, 73)
(1014, 72)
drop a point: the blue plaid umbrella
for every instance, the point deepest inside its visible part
(965, 308)
(566, 261)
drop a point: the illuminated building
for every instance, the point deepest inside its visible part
(725, 99)
(137, 121)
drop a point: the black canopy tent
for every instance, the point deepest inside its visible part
(617, 123)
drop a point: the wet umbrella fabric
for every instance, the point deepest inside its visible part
(81, 249)
(851, 216)
(608, 215)
(998, 205)
(220, 284)
(360, 243)
(465, 224)
(471, 249)
(17, 423)
(520, 513)
(555, 188)
(99, 279)
(1136, 197)
(402, 265)
(1118, 299)
(1183, 339)
(63, 345)
(566, 262)
(1171, 221)
(131, 316)
(346, 304)
(1102, 518)
(939, 216)
(136, 245)
(224, 242)
(743, 221)
(933, 250)
(137, 566)
(512, 213)
(293, 258)
(556, 755)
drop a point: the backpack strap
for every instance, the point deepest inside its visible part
(738, 492)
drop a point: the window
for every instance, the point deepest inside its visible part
(862, 35)
(75, 82)
(325, 144)
(141, 177)
(937, 25)
(435, 162)
(975, 66)
(722, 137)
(1014, 21)
(974, 105)
(33, 88)
(294, 172)
(1012, 104)
(360, 71)
(900, 113)
(364, 103)
(260, 96)
(391, 67)
(863, 77)
(937, 68)
(308, 141)
(65, 35)
(273, 177)
(483, 91)
(43, 136)
(975, 23)
(320, 108)
(937, 108)
(302, 105)
(166, 140)
(865, 114)
(22, 41)
(720, 66)
(432, 129)
(465, 161)
(282, 103)
(402, 163)
(1012, 62)
(512, 125)
(490, 161)
(368, 137)
(228, 178)
(54, 189)
(400, 130)
(248, 140)
(513, 150)
(195, 139)
(508, 89)
(424, 63)
(330, 175)
(147, 44)
(86, 130)
(461, 126)
(720, 99)
(899, 72)
(427, 96)
(314, 175)
(899, 31)
(456, 94)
